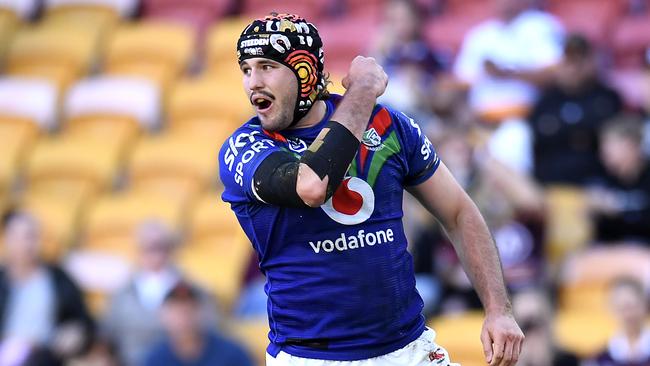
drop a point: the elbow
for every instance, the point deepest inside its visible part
(313, 192)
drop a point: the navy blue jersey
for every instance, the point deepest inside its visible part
(339, 279)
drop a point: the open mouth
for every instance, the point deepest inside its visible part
(262, 103)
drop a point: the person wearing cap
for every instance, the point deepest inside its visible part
(187, 343)
(316, 181)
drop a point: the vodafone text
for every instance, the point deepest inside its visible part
(360, 240)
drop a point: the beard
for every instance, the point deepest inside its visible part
(282, 117)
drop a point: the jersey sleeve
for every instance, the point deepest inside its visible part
(421, 158)
(239, 157)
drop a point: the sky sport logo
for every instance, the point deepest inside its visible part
(361, 240)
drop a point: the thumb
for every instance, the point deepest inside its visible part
(486, 340)
(346, 82)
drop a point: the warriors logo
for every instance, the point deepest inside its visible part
(352, 203)
(280, 43)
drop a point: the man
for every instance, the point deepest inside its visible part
(323, 211)
(187, 342)
(132, 319)
(43, 317)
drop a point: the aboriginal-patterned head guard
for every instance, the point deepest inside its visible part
(289, 40)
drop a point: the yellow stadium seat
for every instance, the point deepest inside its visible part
(17, 136)
(586, 275)
(155, 50)
(460, 336)
(212, 218)
(336, 86)
(111, 221)
(9, 23)
(122, 131)
(221, 41)
(87, 17)
(207, 107)
(179, 166)
(218, 264)
(583, 332)
(568, 224)
(54, 54)
(75, 167)
(254, 335)
(58, 217)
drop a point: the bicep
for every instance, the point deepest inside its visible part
(442, 196)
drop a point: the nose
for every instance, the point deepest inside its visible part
(255, 80)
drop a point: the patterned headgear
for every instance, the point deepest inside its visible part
(289, 40)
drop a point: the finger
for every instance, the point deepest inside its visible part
(345, 82)
(516, 351)
(497, 352)
(486, 341)
(508, 350)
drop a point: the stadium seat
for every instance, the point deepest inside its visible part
(175, 165)
(340, 48)
(58, 216)
(77, 168)
(633, 84)
(9, 23)
(26, 108)
(584, 333)
(123, 8)
(309, 9)
(23, 9)
(218, 264)
(568, 227)
(447, 31)
(116, 109)
(460, 335)
(210, 217)
(110, 223)
(58, 55)
(631, 37)
(159, 51)
(592, 18)
(221, 51)
(206, 107)
(254, 334)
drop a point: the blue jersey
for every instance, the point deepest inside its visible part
(340, 281)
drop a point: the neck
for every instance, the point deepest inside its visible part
(188, 345)
(315, 115)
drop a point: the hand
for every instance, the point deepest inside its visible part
(502, 339)
(366, 73)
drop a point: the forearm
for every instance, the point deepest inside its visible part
(479, 256)
(355, 109)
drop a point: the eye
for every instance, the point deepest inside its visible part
(267, 67)
(246, 70)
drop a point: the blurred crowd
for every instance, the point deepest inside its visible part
(526, 116)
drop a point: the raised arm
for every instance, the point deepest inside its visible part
(443, 197)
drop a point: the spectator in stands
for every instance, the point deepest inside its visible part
(620, 198)
(566, 119)
(408, 60)
(43, 318)
(631, 345)
(534, 312)
(187, 343)
(502, 59)
(132, 320)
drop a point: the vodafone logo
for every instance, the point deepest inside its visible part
(352, 203)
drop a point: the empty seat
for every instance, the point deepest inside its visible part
(159, 51)
(176, 165)
(448, 30)
(339, 47)
(124, 8)
(26, 107)
(77, 168)
(309, 9)
(24, 9)
(112, 108)
(218, 264)
(214, 8)
(221, 48)
(110, 223)
(630, 39)
(55, 54)
(9, 22)
(592, 18)
(584, 333)
(96, 16)
(460, 335)
(210, 217)
(207, 107)
(253, 333)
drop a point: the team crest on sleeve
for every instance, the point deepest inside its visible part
(352, 203)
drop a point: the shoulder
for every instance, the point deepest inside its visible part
(160, 353)
(227, 348)
(251, 127)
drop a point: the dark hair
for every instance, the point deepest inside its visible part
(324, 94)
(628, 126)
(577, 46)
